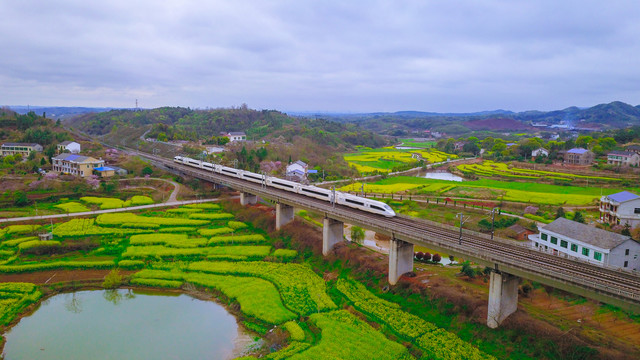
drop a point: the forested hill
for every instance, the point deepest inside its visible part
(179, 123)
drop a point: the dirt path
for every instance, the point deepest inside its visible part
(176, 187)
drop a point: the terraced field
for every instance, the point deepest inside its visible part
(494, 169)
(487, 189)
(271, 286)
(386, 159)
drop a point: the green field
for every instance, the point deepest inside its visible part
(386, 159)
(420, 144)
(495, 190)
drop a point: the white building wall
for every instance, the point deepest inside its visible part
(626, 213)
(628, 252)
(557, 249)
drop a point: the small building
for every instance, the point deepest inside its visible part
(458, 145)
(518, 232)
(72, 146)
(620, 209)
(76, 165)
(23, 149)
(540, 152)
(104, 171)
(235, 136)
(297, 170)
(623, 158)
(579, 156)
(578, 241)
(634, 148)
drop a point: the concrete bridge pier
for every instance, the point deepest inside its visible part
(284, 215)
(503, 297)
(246, 199)
(400, 259)
(332, 233)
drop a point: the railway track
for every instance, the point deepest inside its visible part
(617, 284)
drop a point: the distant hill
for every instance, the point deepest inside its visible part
(57, 112)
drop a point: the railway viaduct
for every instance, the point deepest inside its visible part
(510, 261)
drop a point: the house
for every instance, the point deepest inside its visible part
(578, 241)
(623, 158)
(297, 170)
(104, 171)
(518, 232)
(72, 146)
(634, 148)
(23, 149)
(620, 208)
(458, 145)
(76, 165)
(235, 136)
(579, 156)
(540, 152)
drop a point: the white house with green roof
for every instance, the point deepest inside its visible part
(578, 241)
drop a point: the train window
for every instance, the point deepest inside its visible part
(554, 240)
(636, 211)
(377, 207)
(282, 184)
(315, 192)
(585, 251)
(597, 255)
(564, 243)
(543, 236)
(230, 172)
(253, 176)
(574, 247)
(354, 202)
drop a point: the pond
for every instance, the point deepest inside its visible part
(124, 324)
(443, 175)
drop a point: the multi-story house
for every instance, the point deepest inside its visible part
(623, 158)
(578, 241)
(235, 136)
(76, 165)
(579, 156)
(23, 149)
(620, 208)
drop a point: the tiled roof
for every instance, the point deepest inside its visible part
(301, 163)
(20, 144)
(65, 143)
(585, 233)
(237, 133)
(577, 151)
(623, 196)
(621, 153)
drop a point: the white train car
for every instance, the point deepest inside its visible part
(353, 201)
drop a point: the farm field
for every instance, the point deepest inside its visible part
(496, 169)
(419, 144)
(271, 285)
(368, 160)
(525, 192)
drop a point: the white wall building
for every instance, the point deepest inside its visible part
(236, 136)
(297, 169)
(574, 240)
(623, 158)
(540, 152)
(620, 209)
(76, 165)
(72, 146)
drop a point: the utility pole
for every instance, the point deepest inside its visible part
(493, 221)
(333, 197)
(462, 221)
(362, 189)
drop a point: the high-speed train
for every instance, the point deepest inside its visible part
(372, 206)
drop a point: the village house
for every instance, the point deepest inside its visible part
(578, 241)
(540, 152)
(634, 148)
(235, 136)
(23, 149)
(620, 209)
(76, 165)
(623, 158)
(72, 146)
(579, 156)
(518, 232)
(104, 171)
(297, 170)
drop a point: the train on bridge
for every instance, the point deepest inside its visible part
(332, 196)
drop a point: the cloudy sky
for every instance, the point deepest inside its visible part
(324, 55)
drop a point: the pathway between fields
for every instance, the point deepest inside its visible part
(176, 186)
(85, 213)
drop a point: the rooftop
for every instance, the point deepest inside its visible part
(20, 144)
(623, 196)
(585, 233)
(622, 153)
(103, 168)
(577, 151)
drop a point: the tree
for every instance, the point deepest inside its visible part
(20, 198)
(468, 270)
(578, 217)
(560, 212)
(43, 162)
(436, 258)
(112, 280)
(162, 137)
(426, 256)
(147, 170)
(419, 255)
(357, 234)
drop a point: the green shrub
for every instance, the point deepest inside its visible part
(285, 254)
(38, 247)
(217, 231)
(220, 216)
(236, 225)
